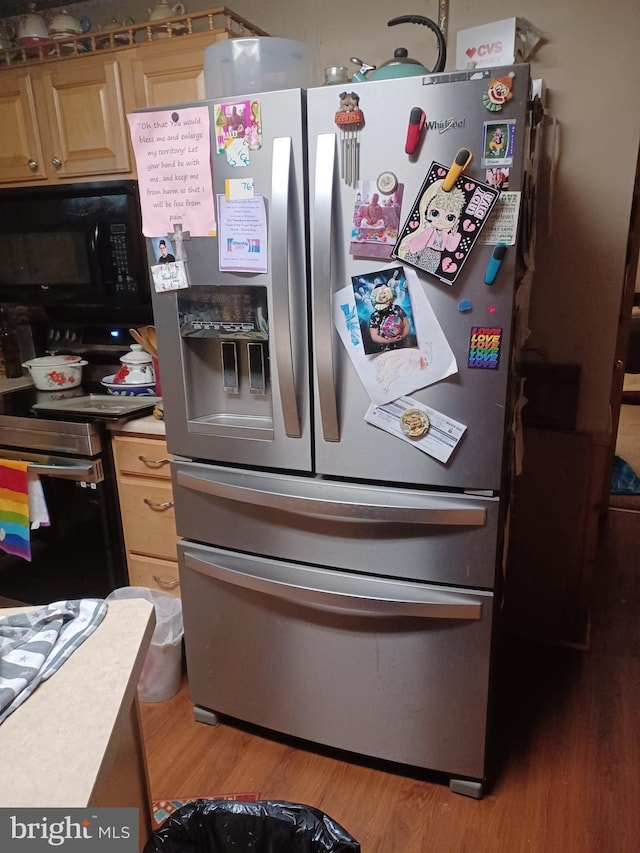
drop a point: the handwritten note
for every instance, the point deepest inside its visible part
(172, 276)
(172, 150)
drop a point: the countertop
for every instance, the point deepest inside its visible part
(56, 742)
(14, 384)
(147, 425)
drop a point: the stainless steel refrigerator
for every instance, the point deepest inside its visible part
(340, 566)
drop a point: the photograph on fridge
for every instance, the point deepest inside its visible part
(390, 373)
(384, 311)
(443, 225)
(375, 221)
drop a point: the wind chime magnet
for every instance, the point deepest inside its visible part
(350, 120)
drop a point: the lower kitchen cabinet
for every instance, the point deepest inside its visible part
(146, 507)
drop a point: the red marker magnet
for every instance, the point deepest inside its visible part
(417, 119)
(460, 163)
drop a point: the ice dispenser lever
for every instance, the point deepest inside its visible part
(229, 354)
(257, 380)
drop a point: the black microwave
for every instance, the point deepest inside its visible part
(74, 246)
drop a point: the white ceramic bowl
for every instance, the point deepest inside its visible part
(55, 372)
(128, 389)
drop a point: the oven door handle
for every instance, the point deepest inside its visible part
(82, 472)
(89, 472)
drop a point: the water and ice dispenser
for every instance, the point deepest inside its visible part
(225, 335)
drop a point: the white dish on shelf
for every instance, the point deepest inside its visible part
(128, 389)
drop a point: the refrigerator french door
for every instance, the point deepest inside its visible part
(350, 555)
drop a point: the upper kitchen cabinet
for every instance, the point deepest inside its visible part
(87, 122)
(170, 72)
(21, 157)
(63, 114)
(63, 121)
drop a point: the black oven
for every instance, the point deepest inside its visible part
(81, 552)
(76, 246)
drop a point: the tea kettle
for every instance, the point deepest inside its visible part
(164, 10)
(402, 65)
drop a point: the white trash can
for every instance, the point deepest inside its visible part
(161, 675)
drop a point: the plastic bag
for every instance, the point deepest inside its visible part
(266, 826)
(624, 480)
(161, 674)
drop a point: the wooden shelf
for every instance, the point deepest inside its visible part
(219, 21)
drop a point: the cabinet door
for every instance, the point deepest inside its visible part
(20, 147)
(86, 116)
(170, 76)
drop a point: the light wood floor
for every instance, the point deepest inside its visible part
(565, 747)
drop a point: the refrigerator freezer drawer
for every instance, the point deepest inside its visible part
(406, 533)
(389, 669)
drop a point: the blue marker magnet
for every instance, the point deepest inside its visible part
(494, 264)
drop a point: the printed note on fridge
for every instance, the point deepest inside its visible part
(242, 234)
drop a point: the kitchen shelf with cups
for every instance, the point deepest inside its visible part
(146, 507)
(219, 21)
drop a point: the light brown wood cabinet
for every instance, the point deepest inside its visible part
(146, 508)
(64, 121)
(170, 72)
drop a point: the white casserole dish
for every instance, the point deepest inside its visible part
(55, 372)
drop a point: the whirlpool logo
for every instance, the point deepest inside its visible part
(36, 830)
(443, 125)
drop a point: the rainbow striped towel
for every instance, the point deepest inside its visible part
(21, 503)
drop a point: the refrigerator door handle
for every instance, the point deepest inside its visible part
(337, 509)
(280, 183)
(323, 284)
(365, 600)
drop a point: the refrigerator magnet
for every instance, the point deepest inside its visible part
(498, 143)
(350, 120)
(443, 227)
(499, 92)
(460, 163)
(484, 347)
(240, 120)
(495, 262)
(375, 222)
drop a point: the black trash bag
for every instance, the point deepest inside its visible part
(266, 826)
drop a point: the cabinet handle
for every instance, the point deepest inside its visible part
(33, 165)
(170, 584)
(155, 462)
(153, 505)
(56, 163)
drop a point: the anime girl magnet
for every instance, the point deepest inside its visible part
(442, 227)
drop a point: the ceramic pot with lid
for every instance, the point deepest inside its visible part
(7, 35)
(164, 10)
(55, 372)
(113, 32)
(32, 31)
(139, 366)
(63, 24)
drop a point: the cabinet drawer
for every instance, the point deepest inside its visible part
(154, 573)
(148, 518)
(136, 455)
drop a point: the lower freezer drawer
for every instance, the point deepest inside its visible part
(389, 669)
